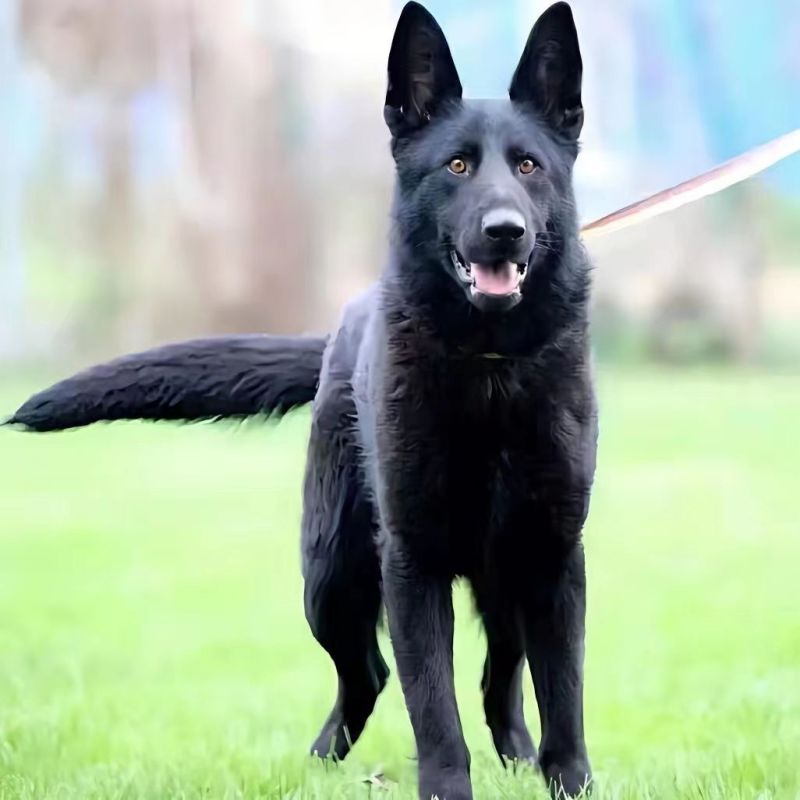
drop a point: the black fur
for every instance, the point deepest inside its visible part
(454, 425)
(235, 376)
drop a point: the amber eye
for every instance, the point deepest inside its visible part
(457, 166)
(527, 165)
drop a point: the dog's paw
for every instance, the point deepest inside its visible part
(445, 785)
(569, 778)
(515, 747)
(333, 743)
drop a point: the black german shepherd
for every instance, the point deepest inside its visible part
(454, 423)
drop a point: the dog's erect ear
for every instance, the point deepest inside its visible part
(548, 75)
(422, 75)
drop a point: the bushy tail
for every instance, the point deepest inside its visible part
(214, 378)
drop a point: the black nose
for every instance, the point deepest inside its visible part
(503, 223)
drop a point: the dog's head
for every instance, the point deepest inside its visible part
(481, 183)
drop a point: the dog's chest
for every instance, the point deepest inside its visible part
(532, 423)
(516, 442)
(490, 413)
(493, 401)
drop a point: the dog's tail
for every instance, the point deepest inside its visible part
(216, 378)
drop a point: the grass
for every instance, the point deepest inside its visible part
(152, 641)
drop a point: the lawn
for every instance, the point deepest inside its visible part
(152, 639)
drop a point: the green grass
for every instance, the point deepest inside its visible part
(152, 640)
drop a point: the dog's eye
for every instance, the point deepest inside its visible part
(457, 166)
(526, 166)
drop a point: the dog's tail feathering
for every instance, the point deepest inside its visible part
(214, 378)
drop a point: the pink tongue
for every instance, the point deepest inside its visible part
(498, 279)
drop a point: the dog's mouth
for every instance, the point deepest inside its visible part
(497, 279)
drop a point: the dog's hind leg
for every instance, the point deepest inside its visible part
(342, 584)
(343, 621)
(501, 683)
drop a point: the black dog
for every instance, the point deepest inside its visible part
(454, 423)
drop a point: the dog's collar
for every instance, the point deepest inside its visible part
(494, 356)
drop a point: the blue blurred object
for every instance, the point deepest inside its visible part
(486, 40)
(712, 79)
(742, 68)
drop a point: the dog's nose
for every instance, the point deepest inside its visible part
(503, 223)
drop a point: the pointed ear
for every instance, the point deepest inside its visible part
(422, 75)
(548, 75)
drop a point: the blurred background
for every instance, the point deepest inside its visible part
(176, 167)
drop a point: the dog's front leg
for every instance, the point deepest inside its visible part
(420, 613)
(555, 615)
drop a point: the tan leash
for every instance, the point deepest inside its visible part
(707, 183)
